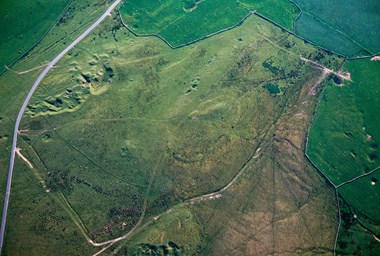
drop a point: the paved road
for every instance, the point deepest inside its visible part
(25, 104)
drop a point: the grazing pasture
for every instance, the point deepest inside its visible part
(343, 143)
(350, 28)
(182, 22)
(345, 134)
(197, 150)
(355, 238)
(126, 128)
(23, 24)
(283, 12)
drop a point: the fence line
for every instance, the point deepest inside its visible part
(188, 43)
(39, 41)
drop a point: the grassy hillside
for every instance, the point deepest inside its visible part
(13, 89)
(193, 151)
(343, 143)
(126, 128)
(23, 23)
(345, 134)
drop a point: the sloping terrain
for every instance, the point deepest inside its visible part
(125, 129)
(274, 207)
(23, 24)
(343, 144)
(131, 147)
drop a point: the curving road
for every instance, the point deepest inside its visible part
(25, 104)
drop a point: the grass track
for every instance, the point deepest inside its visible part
(23, 23)
(151, 120)
(203, 121)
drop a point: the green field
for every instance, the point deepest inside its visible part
(125, 128)
(352, 26)
(197, 150)
(23, 23)
(283, 12)
(12, 93)
(363, 195)
(314, 30)
(181, 22)
(344, 138)
(352, 30)
(343, 143)
(354, 238)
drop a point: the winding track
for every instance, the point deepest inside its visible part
(25, 104)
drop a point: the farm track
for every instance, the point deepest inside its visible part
(50, 65)
(205, 197)
(197, 199)
(25, 104)
(319, 171)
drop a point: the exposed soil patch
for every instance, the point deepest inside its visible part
(340, 74)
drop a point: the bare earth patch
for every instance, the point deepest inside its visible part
(24, 158)
(343, 75)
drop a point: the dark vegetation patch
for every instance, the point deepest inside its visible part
(109, 73)
(189, 4)
(268, 64)
(170, 249)
(372, 157)
(23, 24)
(272, 88)
(353, 238)
(161, 203)
(126, 153)
(337, 80)
(46, 136)
(36, 125)
(60, 181)
(87, 78)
